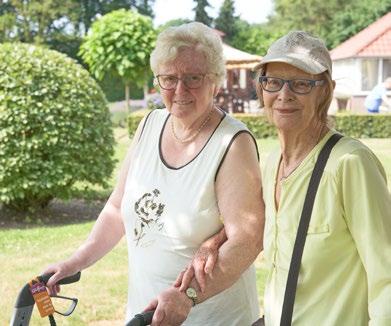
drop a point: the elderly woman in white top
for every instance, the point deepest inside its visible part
(188, 165)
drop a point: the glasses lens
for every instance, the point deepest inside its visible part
(301, 86)
(193, 81)
(167, 81)
(271, 84)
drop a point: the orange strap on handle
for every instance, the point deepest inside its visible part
(41, 298)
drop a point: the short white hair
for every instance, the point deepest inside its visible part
(195, 36)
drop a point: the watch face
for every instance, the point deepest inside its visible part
(191, 293)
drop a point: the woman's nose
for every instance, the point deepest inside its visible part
(285, 93)
(180, 87)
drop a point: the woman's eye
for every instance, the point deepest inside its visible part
(301, 83)
(194, 77)
(273, 82)
(170, 78)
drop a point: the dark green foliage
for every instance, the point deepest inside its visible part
(226, 20)
(258, 125)
(55, 127)
(172, 23)
(133, 122)
(114, 89)
(253, 38)
(357, 126)
(355, 18)
(364, 126)
(200, 13)
(33, 20)
(87, 10)
(120, 43)
(57, 23)
(333, 20)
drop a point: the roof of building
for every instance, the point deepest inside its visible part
(372, 41)
(236, 59)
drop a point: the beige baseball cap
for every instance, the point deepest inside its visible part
(301, 50)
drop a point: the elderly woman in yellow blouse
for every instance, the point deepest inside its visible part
(345, 272)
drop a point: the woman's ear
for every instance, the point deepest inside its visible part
(333, 82)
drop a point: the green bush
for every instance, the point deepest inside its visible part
(134, 120)
(357, 126)
(363, 126)
(55, 127)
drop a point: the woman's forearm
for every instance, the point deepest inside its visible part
(235, 256)
(106, 233)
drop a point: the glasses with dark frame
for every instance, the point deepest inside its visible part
(191, 81)
(298, 86)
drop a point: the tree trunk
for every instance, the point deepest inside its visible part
(127, 98)
(145, 88)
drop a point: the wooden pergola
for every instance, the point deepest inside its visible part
(238, 89)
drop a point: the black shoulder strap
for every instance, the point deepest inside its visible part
(291, 284)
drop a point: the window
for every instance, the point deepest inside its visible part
(369, 73)
(243, 79)
(386, 68)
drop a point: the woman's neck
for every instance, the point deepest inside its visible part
(295, 146)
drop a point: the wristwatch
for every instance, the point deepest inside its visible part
(192, 295)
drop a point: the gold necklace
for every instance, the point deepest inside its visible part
(285, 175)
(191, 137)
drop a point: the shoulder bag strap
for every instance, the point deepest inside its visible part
(291, 284)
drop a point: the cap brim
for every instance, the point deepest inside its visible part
(304, 63)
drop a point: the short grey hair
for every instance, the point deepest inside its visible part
(195, 36)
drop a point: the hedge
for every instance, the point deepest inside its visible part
(357, 126)
(55, 127)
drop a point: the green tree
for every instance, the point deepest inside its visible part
(355, 18)
(253, 38)
(173, 22)
(226, 20)
(200, 13)
(120, 43)
(59, 24)
(33, 21)
(88, 10)
(332, 20)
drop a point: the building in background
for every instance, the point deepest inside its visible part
(360, 63)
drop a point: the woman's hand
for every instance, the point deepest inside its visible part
(202, 263)
(60, 270)
(171, 308)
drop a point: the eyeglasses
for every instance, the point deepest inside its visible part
(191, 81)
(299, 86)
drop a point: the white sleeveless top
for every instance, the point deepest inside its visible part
(168, 212)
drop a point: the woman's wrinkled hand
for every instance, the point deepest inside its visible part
(171, 308)
(202, 263)
(60, 270)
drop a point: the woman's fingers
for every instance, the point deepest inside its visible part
(211, 262)
(60, 271)
(178, 280)
(151, 306)
(158, 315)
(187, 277)
(199, 267)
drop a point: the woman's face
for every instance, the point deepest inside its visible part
(288, 110)
(183, 102)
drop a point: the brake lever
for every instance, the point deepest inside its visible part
(71, 307)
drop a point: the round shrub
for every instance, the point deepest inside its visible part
(55, 127)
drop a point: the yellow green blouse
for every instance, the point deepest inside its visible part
(345, 274)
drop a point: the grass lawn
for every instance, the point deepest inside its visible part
(25, 252)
